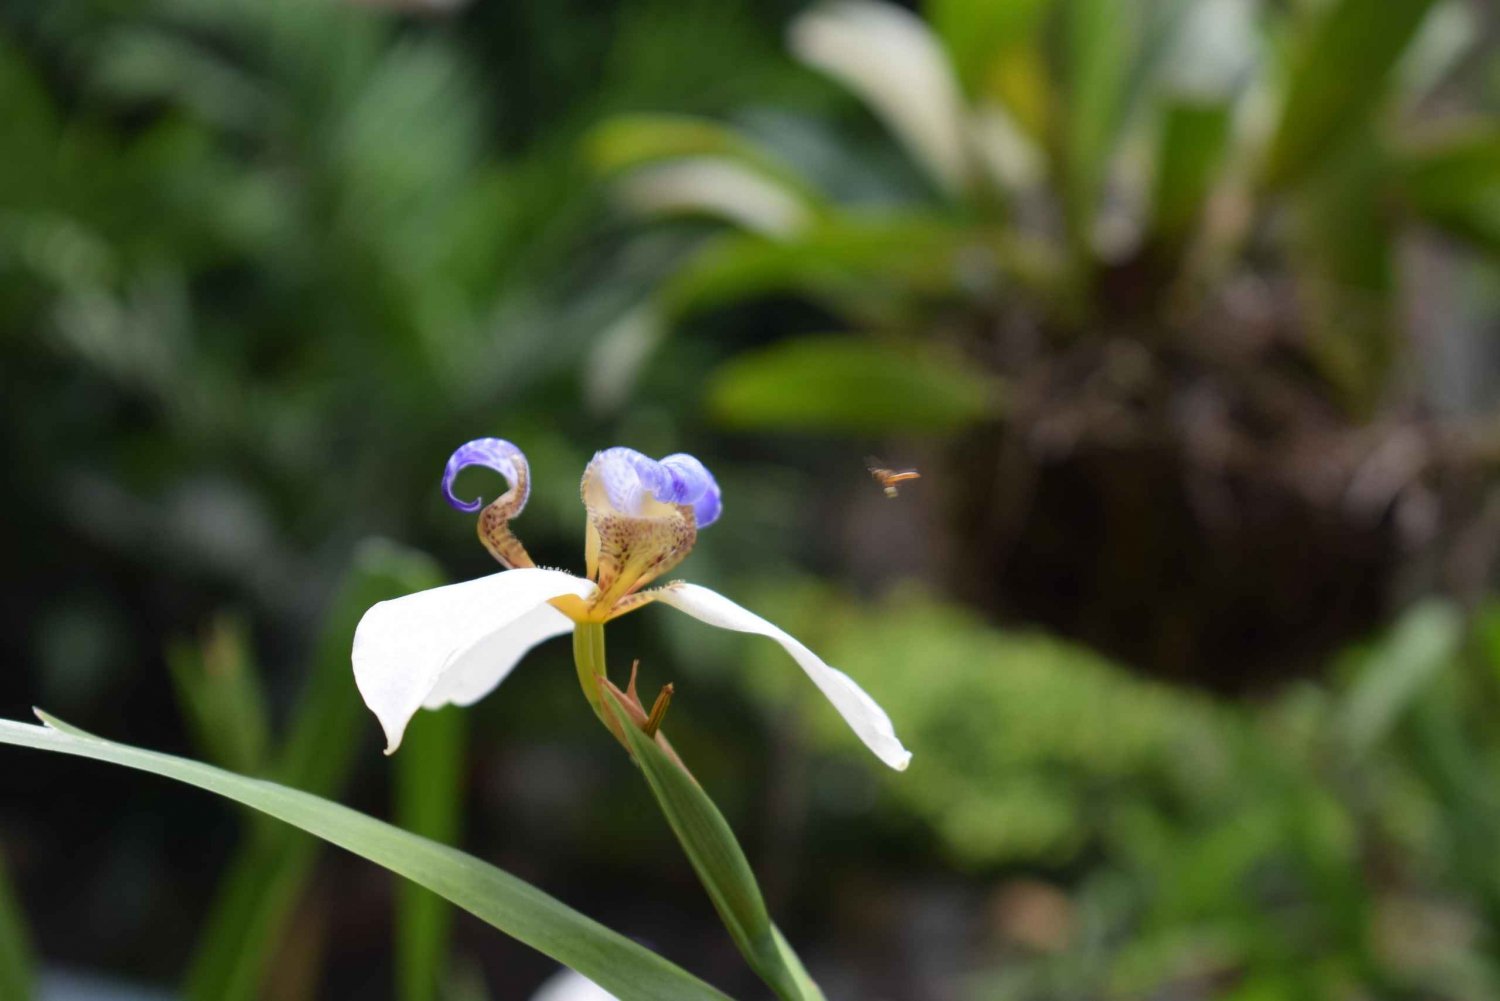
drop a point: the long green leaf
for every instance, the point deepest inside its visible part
(720, 864)
(515, 907)
(1100, 45)
(873, 271)
(266, 877)
(629, 141)
(979, 34)
(1339, 74)
(1455, 183)
(850, 384)
(15, 944)
(218, 689)
(1191, 149)
(1420, 645)
(429, 780)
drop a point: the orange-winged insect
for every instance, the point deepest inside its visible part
(888, 478)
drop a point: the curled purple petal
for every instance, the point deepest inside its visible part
(707, 508)
(627, 478)
(692, 483)
(491, 453)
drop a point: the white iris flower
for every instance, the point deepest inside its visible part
(455, 644)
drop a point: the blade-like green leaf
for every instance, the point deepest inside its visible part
(630, 141)
(1099, 48)
(893, 62)
(1421, 643)
(15, 945)
(871, 271)
(1339, 73)
(720, 864)
(1344, 241)
(1192, 147)
(1455, 183)
(490, 894)
(429, 781)
(266, 877)
(982, 37)
(850, 384)
(219, 692)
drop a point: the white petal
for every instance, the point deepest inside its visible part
(474, 674)
(565, 985)
(405, 648)
(862, 713)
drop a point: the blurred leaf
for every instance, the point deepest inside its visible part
(1099, 50)
(28, 130)
(1416, 650)
(429, 798)
(849, 384)
(1339, 74)
(490, 894)
(1344, 247)
(265, 879)
(1029, 745)
(717, 188)
(720, 863)
(218, 689)
(1455, 184)
(16, 978)
(982, 37)
(870, 270)
(891, 60)
(630, 141)
(1192, 147)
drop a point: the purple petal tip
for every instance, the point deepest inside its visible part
(678, 479)
(491, 453)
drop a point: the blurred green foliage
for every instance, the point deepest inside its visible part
(1181, 145)
(1327, 840)
(263, 263)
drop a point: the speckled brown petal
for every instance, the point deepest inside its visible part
(494, 523)
(634, 551)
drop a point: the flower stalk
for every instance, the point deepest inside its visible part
(588, 658)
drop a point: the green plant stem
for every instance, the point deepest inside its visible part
(588, 658)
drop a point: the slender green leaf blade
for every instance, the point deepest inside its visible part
(875, 272)
(16, 979)
(1192, 146)
(1100, 48)
(494, 896)
(266, 878)
(720, 864)
(850, 384)
(1455, 183)
(1339, 74)
(980, 34)
(219, 691)
(429, 780)
(1421, 643)
(627, 142)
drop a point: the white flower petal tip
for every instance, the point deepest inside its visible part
(454, 643)
(861, 712)
(565, 985)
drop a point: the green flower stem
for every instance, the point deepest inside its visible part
(588, 658)
(705, 836)
(719, 861)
